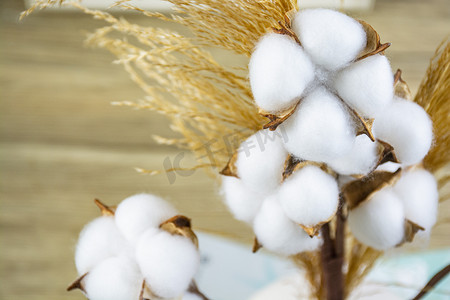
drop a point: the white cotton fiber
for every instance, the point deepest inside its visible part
(260, 161)
(367, 85)
(407, 127)
(168, 262)
(279, 72)
(389, 166)
(277, 233)
(241, 201)
(191, 296)
(137, 213)
(332, 39)
(320, 129)
(360, 160)
(419, 193)
(116, 278)
(100, 239)
(379, 222)
(309, 196)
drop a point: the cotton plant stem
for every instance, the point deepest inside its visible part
(332, 255)
(433, 281)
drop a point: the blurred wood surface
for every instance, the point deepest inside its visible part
(63, 144)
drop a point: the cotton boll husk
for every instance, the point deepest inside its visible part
(309, 196)
(379, 222)
(277, 233)
(332, 39)
(406, 127)
(320, 129)
(168, 262)
(367, 85)
(99, 240)
(361, 159)
(260, 161)
(190, 296)
(279, 72)
(419, 193)
(116, 278)
(137, 213)
(241, 201)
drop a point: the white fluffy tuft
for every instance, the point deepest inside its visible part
(279, 72)
(389, 167)
(260, 161)
(367, 85)
(241, 201)
(277, 233)
(99, 240)
(408, 128)
(168, 262)
(379, 222)
(137, 213)
(332, 39)
(309, 196)
(419, 193)
(361, 159)
(320, 129)
(116, 278)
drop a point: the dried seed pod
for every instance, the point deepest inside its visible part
(278, 118)
(240, 200)
(277, 233)
(331, 38)
(309, 197)
(378, 222)
(168, 262)
(180, 225)
(373, 45)
(279, 72)
(401, 88)
(137, 213)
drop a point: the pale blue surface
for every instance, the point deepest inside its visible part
(230, 271)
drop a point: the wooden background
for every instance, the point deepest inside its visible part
(62, 144)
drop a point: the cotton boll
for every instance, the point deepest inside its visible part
(309, 196)
(379, 221)
(279, 72)
(419, 193)
(332, 39)
(361, 159)
(116, 278)
(260, 161)
(168, 262)
(99, 240)
(191, 296)
(277, 233)
(241, 201)
(407, 127)
(367, 85)
(320, 129)
(137, 213)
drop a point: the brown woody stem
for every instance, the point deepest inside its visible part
(433, 281)
(332, 257)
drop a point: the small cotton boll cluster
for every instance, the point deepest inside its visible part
(310, 196)
(116, 253)
(380, 221)
(320, 129)
(276, 232)
(407, 127)
(279, 72)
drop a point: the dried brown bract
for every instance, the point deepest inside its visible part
(373, 45)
